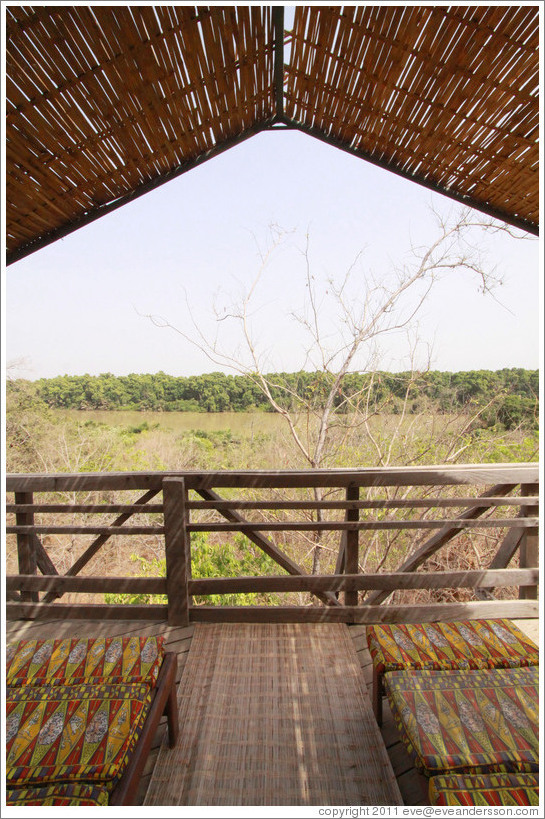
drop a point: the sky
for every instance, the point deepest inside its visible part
(82, 304)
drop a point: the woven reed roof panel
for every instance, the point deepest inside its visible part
(104, 102)
(103, 99)
(445, 94)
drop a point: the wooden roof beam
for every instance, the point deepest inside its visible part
(278, 27)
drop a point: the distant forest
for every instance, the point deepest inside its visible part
(509, 395)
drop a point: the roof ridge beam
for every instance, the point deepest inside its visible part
(278, 27)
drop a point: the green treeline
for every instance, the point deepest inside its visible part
(511, 393)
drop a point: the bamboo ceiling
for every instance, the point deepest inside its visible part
(104, 103)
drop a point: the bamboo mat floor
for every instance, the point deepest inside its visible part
(274, 714)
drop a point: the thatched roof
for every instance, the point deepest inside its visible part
(106, 102)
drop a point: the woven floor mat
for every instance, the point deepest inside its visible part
(274, 714)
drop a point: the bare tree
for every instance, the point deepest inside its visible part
(366, 309)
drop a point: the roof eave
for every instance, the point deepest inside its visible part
(27, 249)
(463, 199)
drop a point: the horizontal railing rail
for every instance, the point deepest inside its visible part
(284, 526)
(444, 475)
(505, 509)
(273, 583)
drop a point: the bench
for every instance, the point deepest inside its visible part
(442, 646)
(81, 717)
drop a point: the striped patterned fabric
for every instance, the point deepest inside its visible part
(468, 721)
(493, 789)
(68, 794)
(467, 644)
(78, 661)
(68, 733)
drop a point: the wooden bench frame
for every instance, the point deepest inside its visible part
(378, 694)
(164, 703)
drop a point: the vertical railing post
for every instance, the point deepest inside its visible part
(529, 545)
(177, 550)
(341, 557)
(351, 544)
(26, 547)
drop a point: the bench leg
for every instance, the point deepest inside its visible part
(171, 711)
(377, 695)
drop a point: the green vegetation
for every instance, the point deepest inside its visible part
(446, 418)
(511, 393)
(237, 558)
(494, 421)
(479, 416)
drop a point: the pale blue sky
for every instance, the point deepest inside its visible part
(74, 307)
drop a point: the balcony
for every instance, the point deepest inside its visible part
(402, 518)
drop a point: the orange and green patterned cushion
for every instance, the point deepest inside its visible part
(464, 644)
(468, 721)
(72, 661)
(69, 794)
(491, 789)
(67, 733)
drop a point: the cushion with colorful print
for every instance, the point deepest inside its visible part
(491, 789)
(462, 644)
(61, 733)
(468, 721)
(69, 794)
(72, 661)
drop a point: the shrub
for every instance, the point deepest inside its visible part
(238, 558)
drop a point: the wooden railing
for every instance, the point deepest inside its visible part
(444, 503)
